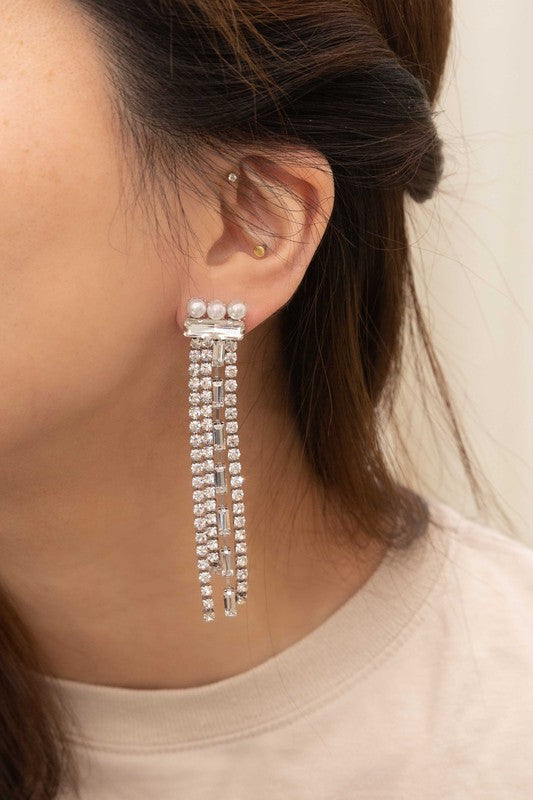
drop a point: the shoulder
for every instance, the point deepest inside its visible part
(483, 553)
(487, 582)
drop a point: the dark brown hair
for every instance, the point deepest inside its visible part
(356, 82)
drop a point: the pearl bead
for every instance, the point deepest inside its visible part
(196, 308)
(236, 309)
(216, 309)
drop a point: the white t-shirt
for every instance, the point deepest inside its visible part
(419, 687)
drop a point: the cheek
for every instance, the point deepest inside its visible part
(80, 295)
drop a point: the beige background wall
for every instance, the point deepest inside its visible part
(473, 249)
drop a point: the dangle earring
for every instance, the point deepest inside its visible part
(214, 441)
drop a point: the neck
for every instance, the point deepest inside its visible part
(97, 537)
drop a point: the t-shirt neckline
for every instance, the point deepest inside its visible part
(352, 641)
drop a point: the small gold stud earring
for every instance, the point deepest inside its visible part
(259, 251)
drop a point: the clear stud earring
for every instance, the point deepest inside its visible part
(215, 453)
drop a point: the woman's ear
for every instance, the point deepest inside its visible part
(284, 205)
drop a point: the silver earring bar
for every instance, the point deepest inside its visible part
(215, 454)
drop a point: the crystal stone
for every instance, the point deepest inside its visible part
(220, 329)
(220, 479)
(218, 352)
(222, 518)
(218, 436)
(229, 602)
(225, 557)
(218, 394)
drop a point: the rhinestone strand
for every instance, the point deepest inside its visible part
(235, 470)
(201, 468)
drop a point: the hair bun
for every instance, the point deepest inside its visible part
(424, 182)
